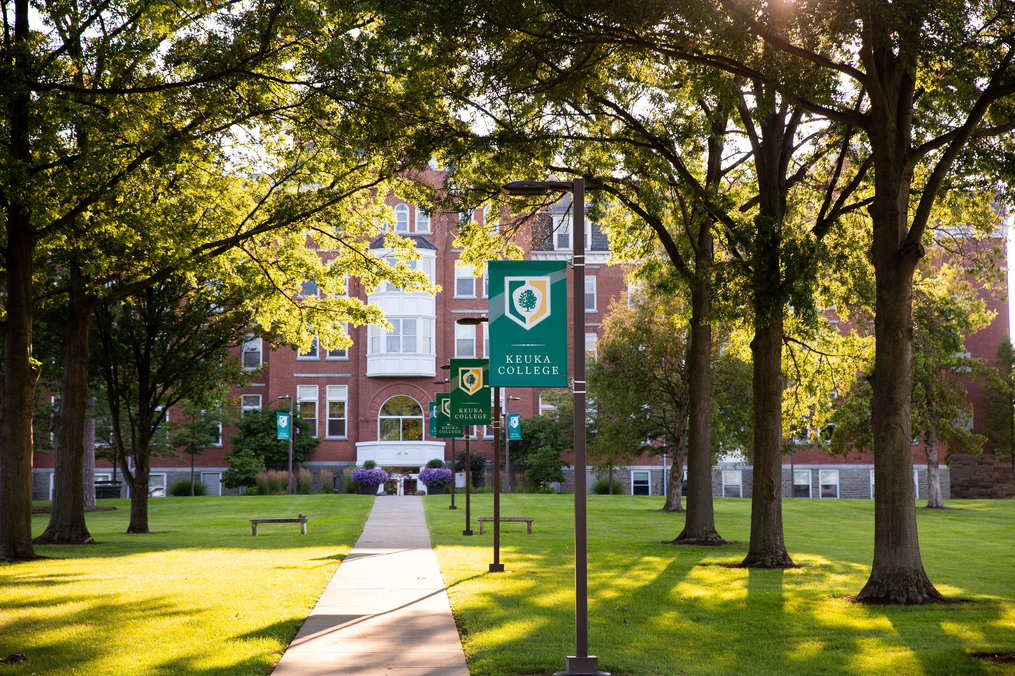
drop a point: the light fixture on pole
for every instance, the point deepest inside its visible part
(291, 433)
(581, 662)
(447, 381)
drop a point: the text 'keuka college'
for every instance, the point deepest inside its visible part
(527, 365)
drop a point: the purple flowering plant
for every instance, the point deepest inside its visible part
(368, 476)
(435, 476)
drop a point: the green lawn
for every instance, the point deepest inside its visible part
(199, 595)
(656, 609)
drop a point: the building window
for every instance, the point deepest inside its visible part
(465, 282)
(252, 354)
(465, 340)
(562, 235)
(591, 347)
(486, 340)
(400, 419)
(311, 352)
(486, 285)
(405, 337)
(872, 484)
(306, 399)
(590, 294)
(801, 483)
(731, 483)
(828, 479)
(249, 402)
(402, 337)
(309, 289)
(337, 397)
(340, 353)
(422, 221)
(640, 483)
(546, 408)
(402, 218)
(916, 483)
(156, 485)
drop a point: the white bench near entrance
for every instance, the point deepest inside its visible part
(527, 519)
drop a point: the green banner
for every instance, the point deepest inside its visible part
(443, 428)
(470, 391)
(528, 323)
(282, 426)
(432, 423)
(514, 426)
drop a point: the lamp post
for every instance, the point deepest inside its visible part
(291, 434)
(496, 565)
(581, 662)
(507, 443)
(443, 382)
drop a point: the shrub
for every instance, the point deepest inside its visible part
(368, 476)
(243, 469)
(305, 482)
(602, 487)
(435, 463)
(272, 482)
(350, 485)
(327, 482)
(369, 464)
(181, 488)
(435, 476)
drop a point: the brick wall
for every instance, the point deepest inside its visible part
(985, 476)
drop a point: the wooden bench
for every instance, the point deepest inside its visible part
(527, 519)
(301, 520)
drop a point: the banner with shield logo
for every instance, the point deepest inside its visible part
(443, 428)
(528, 323)
(470, 392)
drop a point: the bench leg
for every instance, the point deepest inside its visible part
(481, 527)
(529, 524)
(303, 529)
(253, 527)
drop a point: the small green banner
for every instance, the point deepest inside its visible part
(432, 424)
(514, 426)
(528, 323)
(443, 427)
(282, 426)
(470, 391)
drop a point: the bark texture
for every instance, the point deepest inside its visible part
(67, 520)
(88, 468)
(674, 484)
(934, 500)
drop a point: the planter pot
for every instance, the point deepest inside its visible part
(367, 490)
(435, 490)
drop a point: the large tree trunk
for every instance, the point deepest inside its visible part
(767, 548)
(674, 484)
(934, 500)
(20, 375)
(699, 521)
(67, 520)
(897, 573)
(88, 468)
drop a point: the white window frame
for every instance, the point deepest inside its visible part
(465, 333)
(823, 475)
(422, 221)
(339, 354)
(486, 340)
(337, 394)
(464, 276)
(253, 345)
(592, 345)
(402, 419)
(153, 490)
(546, 408)
(402, 219)
(872, 484)
(801, 473)
(247, 403)
(313, 353)
(308, 394)
(916, 483)
(648, 480)
(739, 483)
(590, 294)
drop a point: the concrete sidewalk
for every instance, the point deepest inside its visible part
(386, 610)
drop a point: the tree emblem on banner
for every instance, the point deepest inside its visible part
(446, 408)
(528, 300)
(471, 379)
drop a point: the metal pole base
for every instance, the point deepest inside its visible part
(496, 567)
(582, 666)
(452, 507)
(466, 532)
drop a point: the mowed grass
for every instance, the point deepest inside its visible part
(658, 609)
(198, 595)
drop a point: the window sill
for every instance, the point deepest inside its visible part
(336, 439)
